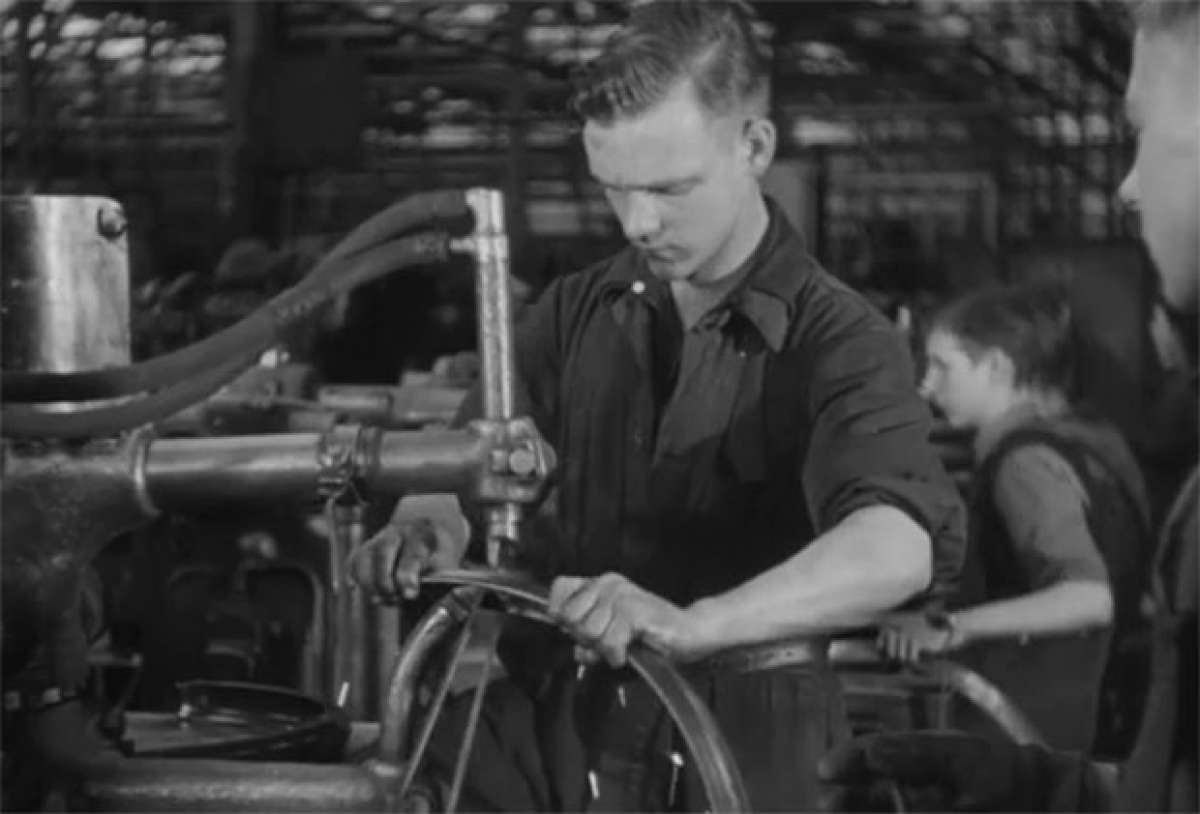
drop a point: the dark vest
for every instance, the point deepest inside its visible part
(1084, 689)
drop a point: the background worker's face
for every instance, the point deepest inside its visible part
(681, 181)
(1163, 102)
(968, 391)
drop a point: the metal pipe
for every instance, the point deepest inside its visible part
(188, 472)
(351, 649)
(207, 471)
(489, 243)
(426, 461)
(387, 647)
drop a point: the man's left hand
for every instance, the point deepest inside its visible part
(909, 636)
(607, 614)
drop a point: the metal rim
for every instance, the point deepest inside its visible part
(965, 682)
(712, 758)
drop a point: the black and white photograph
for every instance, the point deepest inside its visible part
(599, 405)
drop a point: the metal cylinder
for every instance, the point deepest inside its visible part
(64, 262)
(494, 308)
(493, 302)
(183, 472)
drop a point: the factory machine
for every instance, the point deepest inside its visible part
(95, 446)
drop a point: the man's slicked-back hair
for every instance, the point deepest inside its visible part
(666, 41)
(1029, 322)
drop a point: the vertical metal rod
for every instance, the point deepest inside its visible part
(334, 668)
(468, 742)
(494, 306)
(354, 622)
(387, 647)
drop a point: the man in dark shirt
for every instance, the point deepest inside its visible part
(743, 457)
(955, 771)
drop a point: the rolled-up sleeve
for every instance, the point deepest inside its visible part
(870, 443)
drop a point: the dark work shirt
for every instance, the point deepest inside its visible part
(692, 467)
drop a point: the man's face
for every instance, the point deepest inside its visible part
(680, 180)
(1163, 102)
(964, 389)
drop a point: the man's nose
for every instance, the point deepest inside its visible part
(1128, 193)
(641, 220)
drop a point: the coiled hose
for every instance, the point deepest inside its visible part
(189, 375)
(171, 368)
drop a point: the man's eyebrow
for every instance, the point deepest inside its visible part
(664, 183)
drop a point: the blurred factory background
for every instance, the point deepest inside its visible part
(923, 143)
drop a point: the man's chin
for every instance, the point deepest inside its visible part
(669, 271)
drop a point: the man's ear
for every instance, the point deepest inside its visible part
(758, 142)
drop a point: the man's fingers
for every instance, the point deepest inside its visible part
(369, 566)
(562, 589)
(417, 544)
(614, 644)
(580, 602)
(409, 566)
(595, 623)
(586, 655)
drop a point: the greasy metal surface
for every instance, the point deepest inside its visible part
(70, 499)
(166, 784)
(714, 762)
(970, 685)
(64, 262)
(182, 472)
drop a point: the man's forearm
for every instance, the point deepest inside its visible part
(872, 561)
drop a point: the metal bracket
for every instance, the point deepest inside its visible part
(338, 458)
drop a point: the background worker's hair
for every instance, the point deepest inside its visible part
(1030, 323)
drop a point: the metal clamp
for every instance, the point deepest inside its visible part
(338, 462)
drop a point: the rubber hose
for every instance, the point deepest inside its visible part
(258, 330)
(24, 421)
(22, 386)
(421, 208)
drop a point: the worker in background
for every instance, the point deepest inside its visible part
(743, 457)
(1058, 519)
(958, 771)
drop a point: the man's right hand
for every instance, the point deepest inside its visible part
(391, 563)
(936, 771)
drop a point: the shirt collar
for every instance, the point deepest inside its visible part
(766, 296)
